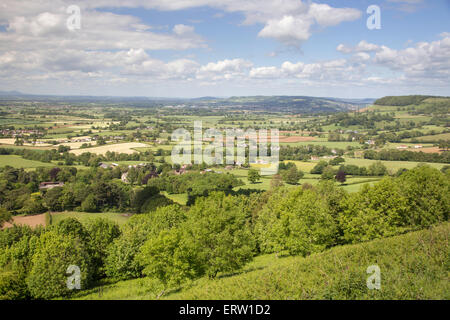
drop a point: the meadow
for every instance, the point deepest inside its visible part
(19, 162)
(83, 217)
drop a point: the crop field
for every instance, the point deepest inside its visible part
(127, 148)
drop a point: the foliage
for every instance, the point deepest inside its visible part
(292, 175)
(253, 176)
(102, 232)
(54, 254)
(298, 222)
(5, 216)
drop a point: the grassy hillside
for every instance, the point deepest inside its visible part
(413, 266)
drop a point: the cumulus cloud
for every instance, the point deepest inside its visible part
(425, 60)
(362, 46)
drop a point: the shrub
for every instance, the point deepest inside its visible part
(13, 286)
(121, 261)
(427, 192)
(298, 222)
(218, 229)
(102, 232)
(74, 228)
(374, 212)
(167, 257)
(55, 253)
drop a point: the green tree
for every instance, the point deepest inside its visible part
(168, 258)
(102, 232)
(374, 212)
(298, 222)
(318, 169)
(218, 231)
(377, 169)
(253, 176)
(89, 204)
(426, 190)
(55, 253)
(292, 175)
(328, 173)
(5, 216)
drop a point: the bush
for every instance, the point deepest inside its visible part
(13, 286)
(102, 232)
(427, 192)
(167, 257)
(74, 228)
(121, 260)
(374, 212)
(298, 222)
(55, 253)
(218, 231)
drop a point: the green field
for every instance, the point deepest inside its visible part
(391, 165)
(19, 162)
(436, 137)
(84, 216)
(413, 266)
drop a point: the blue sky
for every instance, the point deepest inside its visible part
(191, 48)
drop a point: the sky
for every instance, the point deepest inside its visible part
(195, 48)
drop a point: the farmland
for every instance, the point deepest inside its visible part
(106, 183)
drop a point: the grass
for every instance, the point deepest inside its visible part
(19, 162)
(413, 266)
(84, 216)
(181, 198)
(391, 165)
(433, 138)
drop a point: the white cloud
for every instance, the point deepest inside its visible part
(362, 46)
(427, 60)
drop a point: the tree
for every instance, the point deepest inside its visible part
(297, 221)
(377, 169)
(426, 190)
(102, 232)
(218, 231)
(52, 199)
(292, 175)
(253, 176)
(318, 169)
(5, 216)
(89, 204)
(55, 253)
(374, 212)
(121, 262)
(167, 258)
(328, 173)
(341, 176)
(276, 181)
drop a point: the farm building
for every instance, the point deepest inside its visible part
(50, 185)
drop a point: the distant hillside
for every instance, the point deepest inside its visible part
(413, 266)
(291, 104)
(402, 100)
(294, 104)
